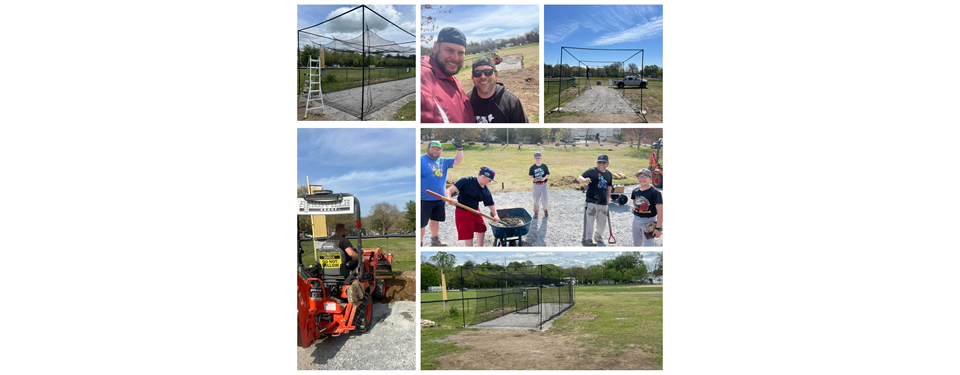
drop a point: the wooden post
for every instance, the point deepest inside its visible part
(443, 287)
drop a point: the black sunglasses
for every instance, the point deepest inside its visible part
(486, 72)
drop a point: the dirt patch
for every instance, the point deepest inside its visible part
(580, 316)
(568, 182)
(399, 288)
(524, 83)
(594, 118)
(533, 350)
(508, 222)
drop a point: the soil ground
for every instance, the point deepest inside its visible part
(533, 350)
(524, 83)
(400, 288)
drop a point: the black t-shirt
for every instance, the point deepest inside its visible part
(471, 193)
(486, 111)
(539, 172)
(647, 201)
(343, 243)
(599, 185)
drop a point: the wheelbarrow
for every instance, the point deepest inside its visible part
(511, 236)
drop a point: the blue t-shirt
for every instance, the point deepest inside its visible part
(433, 176)
(471, 193)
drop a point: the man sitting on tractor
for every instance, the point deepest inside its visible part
(355, 292)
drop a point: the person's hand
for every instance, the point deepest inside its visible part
(656, 233)
(496, 218)
(588, 179)
(457, 143)
(452, 202)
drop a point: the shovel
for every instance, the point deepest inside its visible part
(610, 240)
(460, 205)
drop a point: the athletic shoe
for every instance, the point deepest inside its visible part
(435, 242)
(598, 239)
(589, 243)
(546, 213)
(535, 213)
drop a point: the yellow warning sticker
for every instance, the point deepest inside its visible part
(330, 260)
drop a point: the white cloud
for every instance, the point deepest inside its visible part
(484, 30)
(543, 254)
(634, 34)
(558, 32)
(367, 176)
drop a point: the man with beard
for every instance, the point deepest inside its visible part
(441, 97)
(433, 177)
(598, 195)
(491, 101)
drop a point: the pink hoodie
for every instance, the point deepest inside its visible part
(441, 95)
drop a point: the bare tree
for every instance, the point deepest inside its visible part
(383, 216)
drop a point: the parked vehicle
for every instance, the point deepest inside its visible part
(631, 81)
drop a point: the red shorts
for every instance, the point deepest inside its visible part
(469, 223)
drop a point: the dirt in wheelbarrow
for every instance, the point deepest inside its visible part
(400, 288)
(507, 221)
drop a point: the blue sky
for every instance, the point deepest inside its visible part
(349, 26)
(376, 165)
(479, 22)
(560, 258)
(603, 26)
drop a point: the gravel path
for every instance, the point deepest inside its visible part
(600, 99)
(390, 344)
(382, 94)
(563, 228)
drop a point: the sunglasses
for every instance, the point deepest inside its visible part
(486, 72)
(601, 162)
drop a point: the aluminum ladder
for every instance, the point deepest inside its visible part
(313, 79)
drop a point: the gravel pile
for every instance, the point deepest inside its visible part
(600, 99)
(508, 222)
(390, 344)
(563, 228)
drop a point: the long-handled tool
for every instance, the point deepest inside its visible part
(610, 240)
(460, 205)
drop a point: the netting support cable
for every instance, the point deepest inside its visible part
(341, 15)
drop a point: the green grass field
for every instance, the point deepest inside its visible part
(513, 167)
(606, 320)
(404, 251)
(550, 93)
(652, 97)
(407, 112)
(334, 79)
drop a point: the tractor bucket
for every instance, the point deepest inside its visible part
(385, 265)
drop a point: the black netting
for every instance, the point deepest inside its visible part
(516, 297)
(361, 73)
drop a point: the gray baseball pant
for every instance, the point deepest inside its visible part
(539, 193)
(638, 238)
(592, 213)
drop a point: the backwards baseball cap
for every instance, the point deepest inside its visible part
(452, 35)
(484, 60)
(537, 155)
(435, 144)
(487, 171)
(644, 171)
(603, 158)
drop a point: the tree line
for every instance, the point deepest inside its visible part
(627, 267)
(384, 216)
(489, 45)
(354, 59)
(614, 70)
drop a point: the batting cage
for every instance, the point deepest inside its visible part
(497, 297)
(588, 74)
(358, 74)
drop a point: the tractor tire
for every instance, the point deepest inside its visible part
(658, 181)
(360, 320)
(620, 85)
(379, 291)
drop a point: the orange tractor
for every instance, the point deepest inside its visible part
(496, 58)
(656, 163)
(335, 295)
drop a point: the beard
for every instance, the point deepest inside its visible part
(443, 68)
(492, 85)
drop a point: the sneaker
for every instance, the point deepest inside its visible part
(435, 242)
(589, 243)
(598, 239)
(535, 213)
(546, 213)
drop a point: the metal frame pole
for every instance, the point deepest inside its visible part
(559, 85)
(363, 58)
(463, 305)
(540, 297)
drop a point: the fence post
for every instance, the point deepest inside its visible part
(463, 304)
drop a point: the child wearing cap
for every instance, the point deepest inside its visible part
(647, 211)
(473, 190)
(539, 173)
